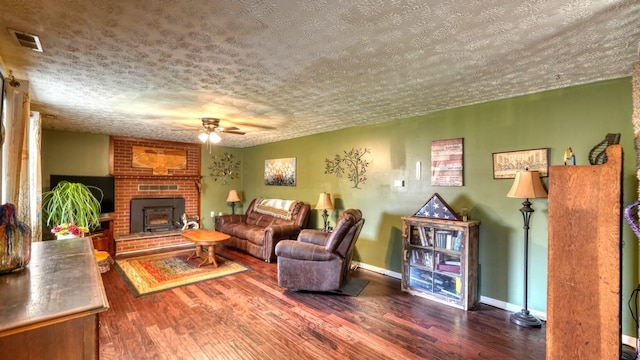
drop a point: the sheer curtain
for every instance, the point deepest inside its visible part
(34, 189)
(21, 179)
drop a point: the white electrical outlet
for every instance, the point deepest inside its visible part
(213, 213)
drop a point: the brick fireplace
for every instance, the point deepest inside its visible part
(163, 180)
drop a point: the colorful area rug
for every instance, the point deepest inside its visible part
(152, 273)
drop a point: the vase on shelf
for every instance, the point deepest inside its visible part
(15, 241)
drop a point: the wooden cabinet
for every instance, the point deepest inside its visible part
(102, 239)
(441, 260)
(50, 310)
(583, 287)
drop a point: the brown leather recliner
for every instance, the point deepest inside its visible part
(319, 261)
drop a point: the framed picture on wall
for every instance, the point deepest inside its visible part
(446, 162)
(280, 172)
(506, 164)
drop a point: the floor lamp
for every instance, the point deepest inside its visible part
(527, 185)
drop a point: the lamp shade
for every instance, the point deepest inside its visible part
(527, 185)
(324, 202)
(233, 196)
(214, 137)
(203, 136)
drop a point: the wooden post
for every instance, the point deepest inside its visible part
(583, 297)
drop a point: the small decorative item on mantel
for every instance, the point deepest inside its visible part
(15, 241)
(436, 208)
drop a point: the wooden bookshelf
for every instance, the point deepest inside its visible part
(440, 260)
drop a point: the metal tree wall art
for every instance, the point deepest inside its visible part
(224, 167)
(353, 162)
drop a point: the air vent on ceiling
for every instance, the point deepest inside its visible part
(27, 40)
(161, 187)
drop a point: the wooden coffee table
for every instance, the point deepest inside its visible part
(209, 238)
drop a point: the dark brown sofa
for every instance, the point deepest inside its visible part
(319, 261)
(264, 224)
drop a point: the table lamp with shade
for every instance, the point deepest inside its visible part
(233, 198)
(527, 185)
(324, 204)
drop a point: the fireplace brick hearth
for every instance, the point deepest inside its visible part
(185, 183)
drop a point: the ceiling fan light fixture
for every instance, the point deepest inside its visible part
(203, 136)
(214, 137)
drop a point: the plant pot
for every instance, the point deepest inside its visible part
(68, 236)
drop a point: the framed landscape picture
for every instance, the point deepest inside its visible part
(506, 164)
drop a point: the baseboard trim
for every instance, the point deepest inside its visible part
(511, 307)
(630, 341)
(376, 269)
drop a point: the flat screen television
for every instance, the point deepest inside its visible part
(104, 183)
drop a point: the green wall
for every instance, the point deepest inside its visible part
(214, 193)
(577, 117)
(69, 153)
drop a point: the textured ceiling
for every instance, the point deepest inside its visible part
(285, 69)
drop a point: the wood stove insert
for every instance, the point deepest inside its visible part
(156, 214)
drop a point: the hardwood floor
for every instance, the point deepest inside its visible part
(247, 316)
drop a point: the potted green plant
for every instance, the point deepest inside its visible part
(71, 208)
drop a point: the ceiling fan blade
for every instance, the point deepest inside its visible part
(229, 131)
(253, 125)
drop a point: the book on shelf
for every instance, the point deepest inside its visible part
(428, 260)
(449, 268)
(451, 240)
(418, 283)
(420, 257)
(414, 236)
(441, 238)
(448, 293)
(457, 244)
(424, 238)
